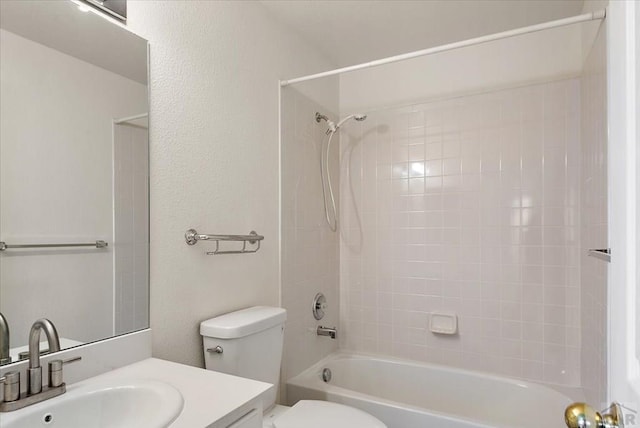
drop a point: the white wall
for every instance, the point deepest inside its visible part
(310, 251)
(131, 226)
(520, 60)
(591, 30)
(594, 221)
(56, 117)
(214, 158)
(624, 339)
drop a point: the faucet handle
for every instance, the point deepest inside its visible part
(10, 390)
(71, 360)
(55, 370)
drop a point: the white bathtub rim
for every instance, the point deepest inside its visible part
(310, 380)
(572, 393)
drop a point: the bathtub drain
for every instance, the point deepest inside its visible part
(326, 375)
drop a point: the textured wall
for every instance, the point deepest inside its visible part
(214, 158)
(468, 205)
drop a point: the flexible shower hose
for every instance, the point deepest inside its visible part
(324, 167)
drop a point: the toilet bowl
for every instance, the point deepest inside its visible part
(248, 343)
(319, 414)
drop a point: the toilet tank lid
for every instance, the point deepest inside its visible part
(243, 322)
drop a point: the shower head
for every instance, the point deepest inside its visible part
(332, 126)
(358, 117)
(324, 165)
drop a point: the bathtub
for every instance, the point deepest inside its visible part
(406, 394)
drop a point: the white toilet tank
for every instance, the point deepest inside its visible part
(250, 342)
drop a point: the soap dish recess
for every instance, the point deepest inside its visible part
(443, 323)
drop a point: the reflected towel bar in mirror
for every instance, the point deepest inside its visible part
(192, 237)
(98, 244)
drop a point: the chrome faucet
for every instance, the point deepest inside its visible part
(11, 399)
(326, 331)
(34, 373)
(5, 356)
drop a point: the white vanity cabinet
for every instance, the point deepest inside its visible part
(250, 419)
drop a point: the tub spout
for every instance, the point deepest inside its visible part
(326, 331)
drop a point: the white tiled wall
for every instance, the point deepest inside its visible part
(594, 222)
(131, 227)
(468, 205)
(310, 261)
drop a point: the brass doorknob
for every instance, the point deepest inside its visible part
(581, 415)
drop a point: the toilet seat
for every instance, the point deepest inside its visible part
(323, 414)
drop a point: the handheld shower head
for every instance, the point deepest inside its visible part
(332, 126)
(358, 117)
(324, 165)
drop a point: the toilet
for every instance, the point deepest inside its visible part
(248, 343)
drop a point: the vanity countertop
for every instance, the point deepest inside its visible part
(209, 396)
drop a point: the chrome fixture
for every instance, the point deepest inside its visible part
(24, 355)
(5, 356)
(10, 390)
(11, 399)
(581, 415)
(326, 375)
(112, 8)
(217, 350)
(600, 253)
(319, 306)
(192, 237)
(34, 373)
(55, 371)
(333, 127)
(320, 117)
(98, 244)
(326, 331)
(324, 165)
(55, 387)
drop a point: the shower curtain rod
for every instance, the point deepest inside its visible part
(591, 16)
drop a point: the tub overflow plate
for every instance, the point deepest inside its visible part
(326, 375)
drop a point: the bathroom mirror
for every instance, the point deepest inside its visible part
(73, 173)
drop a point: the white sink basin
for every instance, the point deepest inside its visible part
(114, 404)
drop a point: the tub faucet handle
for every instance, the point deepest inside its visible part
(319, 306)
